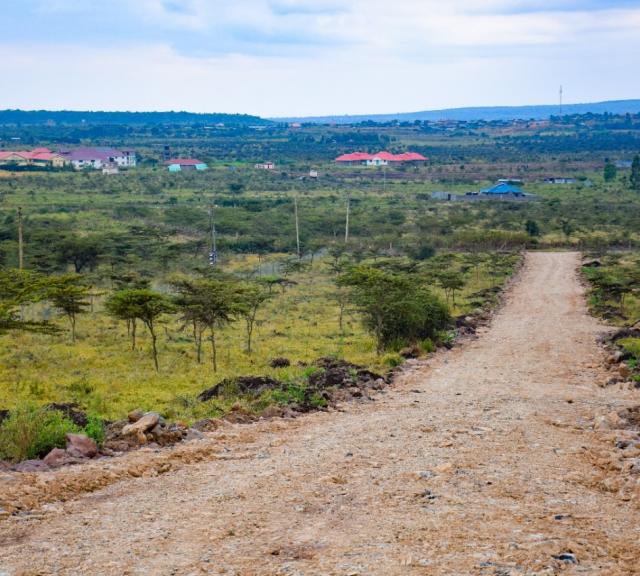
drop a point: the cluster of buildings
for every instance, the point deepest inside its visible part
(380, 159)
(106, 159)
(41, 157)
(505, 190)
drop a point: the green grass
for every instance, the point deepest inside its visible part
(105, 376)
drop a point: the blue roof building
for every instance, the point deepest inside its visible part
(503, 188)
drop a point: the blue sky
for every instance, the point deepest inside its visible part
(295, 57)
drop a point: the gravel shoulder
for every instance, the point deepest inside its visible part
(482, 460)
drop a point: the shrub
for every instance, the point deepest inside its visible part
(31, 432)
(95, 429)
(395, 307)
(392, 360)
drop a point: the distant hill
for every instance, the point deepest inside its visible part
(481, 113)
(72, 117)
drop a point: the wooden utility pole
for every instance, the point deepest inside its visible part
(346, 225)
(213, 248)
(295, 209)
(20, 241)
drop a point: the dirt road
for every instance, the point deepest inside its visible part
(476, 463)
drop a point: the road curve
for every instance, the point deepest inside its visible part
(473, 463)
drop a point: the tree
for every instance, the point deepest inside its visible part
(396, 308)
(610, 171)
(80, 251)
(69, 295)
(209, 304)
(634, 178)
(17, 289)
(250, 300)
(144, 305)
(451, 281)
(531, 227)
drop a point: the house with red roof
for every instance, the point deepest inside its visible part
(379, 159)
(42, 157)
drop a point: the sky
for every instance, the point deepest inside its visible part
(315, 57)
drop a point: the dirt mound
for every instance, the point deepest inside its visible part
(242, 385)
(336, 373)
(280, 362)
(71, 411)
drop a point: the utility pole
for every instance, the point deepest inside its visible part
(561, 100)
(346, 226)
(20, 241)
(213, 248)
(295, 209)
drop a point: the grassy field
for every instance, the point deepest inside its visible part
(103, 374)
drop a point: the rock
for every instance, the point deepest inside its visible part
(566, 557)
(410, 352)
(207, 424)
(272, 412)
(635, 467)
(4, 414)
(135, 415)
(194, 435)
(31, 466)
(57, 457)
(280, 362)
(144, 424)
(624, 371)
(81, 446)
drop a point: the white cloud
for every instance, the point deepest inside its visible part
(289, 57)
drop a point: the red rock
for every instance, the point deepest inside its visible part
(57, 457)
(81, 446)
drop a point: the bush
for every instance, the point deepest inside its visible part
(393, 360)
(31, 432)
(95, 429)
(395, 307)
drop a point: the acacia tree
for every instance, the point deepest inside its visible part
(69, 295)
(250, 299)
(144, 305)
(395, 307)
(451, 281)
(209, 304)
(17, 289)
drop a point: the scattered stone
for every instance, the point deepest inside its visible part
(135, 415)
(425, 475)
(57, 457)
(566, 557)
(207, 424)
(81, 446)
(193, 434)
(31, 466)
(280, 362)
(143, 425)
(624, 371)
(410, 352)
